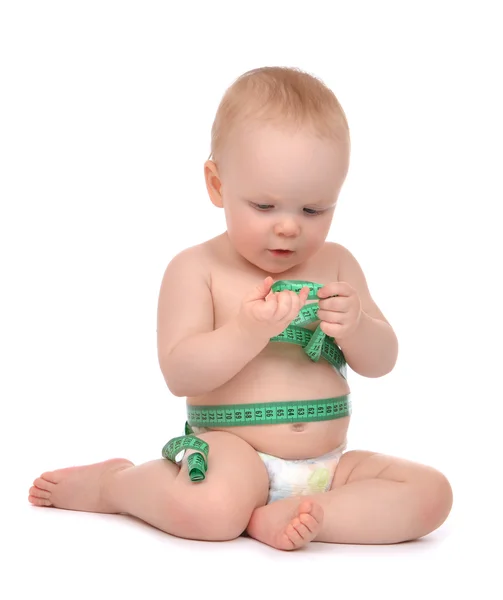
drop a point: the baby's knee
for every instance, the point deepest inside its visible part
(445, 497)
(228, 513)
(438, 500)
(216, 510)
(216, 514)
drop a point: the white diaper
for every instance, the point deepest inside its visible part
(301, 477)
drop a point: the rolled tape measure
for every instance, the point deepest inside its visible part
(197, 462)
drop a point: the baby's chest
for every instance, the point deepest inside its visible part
(228, 292)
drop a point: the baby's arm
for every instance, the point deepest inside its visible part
(194, 358)
(372, 349)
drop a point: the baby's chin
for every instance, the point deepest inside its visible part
(274, 264)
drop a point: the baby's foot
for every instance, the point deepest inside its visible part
(274, 524)
(76, 488)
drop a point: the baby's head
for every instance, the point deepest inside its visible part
(279, 157)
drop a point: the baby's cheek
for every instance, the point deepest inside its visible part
(314, 243)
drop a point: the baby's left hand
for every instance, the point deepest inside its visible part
(339, 316)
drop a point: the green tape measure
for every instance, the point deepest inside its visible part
(315, 344)
(197, 462)
(235, 415)
(269, 413)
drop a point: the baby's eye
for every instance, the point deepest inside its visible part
(309, 211)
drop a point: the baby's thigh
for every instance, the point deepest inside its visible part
(236, 482)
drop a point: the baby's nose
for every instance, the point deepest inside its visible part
(288, 227)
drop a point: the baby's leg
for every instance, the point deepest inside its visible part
(163, 495)
(374, 499)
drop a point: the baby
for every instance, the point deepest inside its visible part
(268, 396)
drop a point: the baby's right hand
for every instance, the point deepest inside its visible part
(265, 314)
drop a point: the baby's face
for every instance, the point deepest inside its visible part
(279, 189)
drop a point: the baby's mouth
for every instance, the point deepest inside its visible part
(280, 252)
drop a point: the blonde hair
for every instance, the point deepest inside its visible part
(284, 94)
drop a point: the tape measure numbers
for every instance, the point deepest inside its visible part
(197, 462)
(269, 413)
(235, 415)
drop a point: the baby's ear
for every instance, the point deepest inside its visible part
(213, 183)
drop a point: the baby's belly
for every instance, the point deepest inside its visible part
(282, 372)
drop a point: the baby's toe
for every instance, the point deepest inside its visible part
(312, 509)
(39, 493)
(43, 484)
(309, 522)
(301, 528)
(293, 536)
(36, 501)
(51, 476)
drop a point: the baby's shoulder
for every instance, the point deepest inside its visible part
(337, 252)
(194, 259)
(347, 266)
(339, 260)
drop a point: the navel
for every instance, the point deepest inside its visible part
(298, 427)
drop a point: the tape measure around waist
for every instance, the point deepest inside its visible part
(316, 344)
(235, 415)
(269, 413)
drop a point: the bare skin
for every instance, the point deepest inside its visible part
(374, 499)
(279, 187)
(77, 488)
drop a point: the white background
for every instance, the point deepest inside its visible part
(106, 111)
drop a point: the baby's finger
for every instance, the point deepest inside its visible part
(264, 311)
(285, 299)
(332, 329)
(331, 316)
(304, 293)
(297, 306)
(336, 288)
(340, 303)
